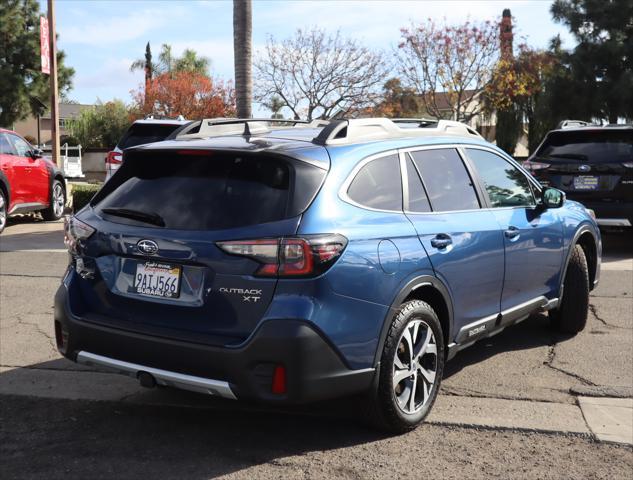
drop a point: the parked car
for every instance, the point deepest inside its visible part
(294, 264)
(149, 130)
(591, 164)
(28, 181)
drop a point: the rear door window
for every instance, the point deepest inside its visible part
(141, 133)
(589, 146)
(446, 179)
(507, 186)
(209, 191)
(378, 185)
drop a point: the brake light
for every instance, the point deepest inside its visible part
(75, 232)
(304, 256)
(534, 166)
(114, 158)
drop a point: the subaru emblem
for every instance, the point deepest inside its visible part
(149, 247)
(584, 168)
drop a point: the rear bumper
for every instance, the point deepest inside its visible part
(611, 214)
(314, 369)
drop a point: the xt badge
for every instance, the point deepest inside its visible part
(248, 296)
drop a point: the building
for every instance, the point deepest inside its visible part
(38, 128)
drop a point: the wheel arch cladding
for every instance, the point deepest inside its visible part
(4, 186)
(430, 290)
(587, 242)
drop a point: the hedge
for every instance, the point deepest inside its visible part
(82, 194)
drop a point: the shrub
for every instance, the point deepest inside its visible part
(82, 194)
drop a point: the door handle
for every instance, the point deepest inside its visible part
(512, 233)
(441, 241)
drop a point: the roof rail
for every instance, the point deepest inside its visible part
(213, 127)
(365, 129)
(573, 124)
(421, 122)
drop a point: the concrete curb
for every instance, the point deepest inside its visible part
(491, 413)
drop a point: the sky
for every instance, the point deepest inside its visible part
(102, 38)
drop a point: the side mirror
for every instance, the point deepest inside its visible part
(553, 198)
(37, 153)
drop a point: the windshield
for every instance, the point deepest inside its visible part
(589, 146)
(141, 133)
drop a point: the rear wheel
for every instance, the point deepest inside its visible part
(571, 315)
(4, 208)
(411, 369)
(57, 202)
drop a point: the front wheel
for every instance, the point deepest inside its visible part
(4, 210)
(411, 368)
(571, 315)
(57, 202)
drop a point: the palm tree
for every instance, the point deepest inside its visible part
(145, 64)
(191, 62)
(242, 54)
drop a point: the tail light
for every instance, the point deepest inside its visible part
(535, 166)
(75, 232)
(114, 158)
(305, 256)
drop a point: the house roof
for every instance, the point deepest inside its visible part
(69, 110)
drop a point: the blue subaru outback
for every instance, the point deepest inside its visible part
(290, 263)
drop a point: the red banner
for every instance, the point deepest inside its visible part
(45, 55)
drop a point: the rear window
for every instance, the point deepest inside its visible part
(141, 133)
(209, 190)
(589, 146)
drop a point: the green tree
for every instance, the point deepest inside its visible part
(23, 86)
(101, 126)
(192, 63)
(600, 67)
(146, 64)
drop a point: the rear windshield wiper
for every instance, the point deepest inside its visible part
(572, 156)
(152, 218)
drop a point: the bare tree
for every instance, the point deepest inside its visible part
(243, 56)
(449, 66)
(317, 75)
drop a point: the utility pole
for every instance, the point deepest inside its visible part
(54, 89)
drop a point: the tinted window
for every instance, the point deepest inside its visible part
(589, 146)
(446, 180)
(506, 185)
(418, 201)
(202, 192)
(140, 133)
(378, 184)
(22, 148)
(5, 146)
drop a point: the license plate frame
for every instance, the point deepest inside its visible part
(156, 280)
(586, 182)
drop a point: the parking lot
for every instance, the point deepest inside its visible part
(510, 405)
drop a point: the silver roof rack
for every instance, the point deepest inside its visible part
(340, 132)
(573, 124)
(214, 127)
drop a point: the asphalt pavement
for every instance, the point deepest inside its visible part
(525, 403)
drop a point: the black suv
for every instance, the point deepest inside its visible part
(593, 165)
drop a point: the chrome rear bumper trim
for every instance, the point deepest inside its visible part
(166, 378)
(613, 222)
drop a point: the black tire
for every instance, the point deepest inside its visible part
(4, 210)
(571, 315)
(53, 212)
(384, 410)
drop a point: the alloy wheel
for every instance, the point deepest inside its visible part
(58, 200)
(415, 367)
(3, 212)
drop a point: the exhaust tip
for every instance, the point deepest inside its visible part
(146, 380)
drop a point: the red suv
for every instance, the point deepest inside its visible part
(28, 182)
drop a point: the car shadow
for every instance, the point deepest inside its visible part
(534, 332)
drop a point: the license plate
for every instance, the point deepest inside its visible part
(157, 280)
(585, 183)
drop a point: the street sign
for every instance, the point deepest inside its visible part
(44, 46)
